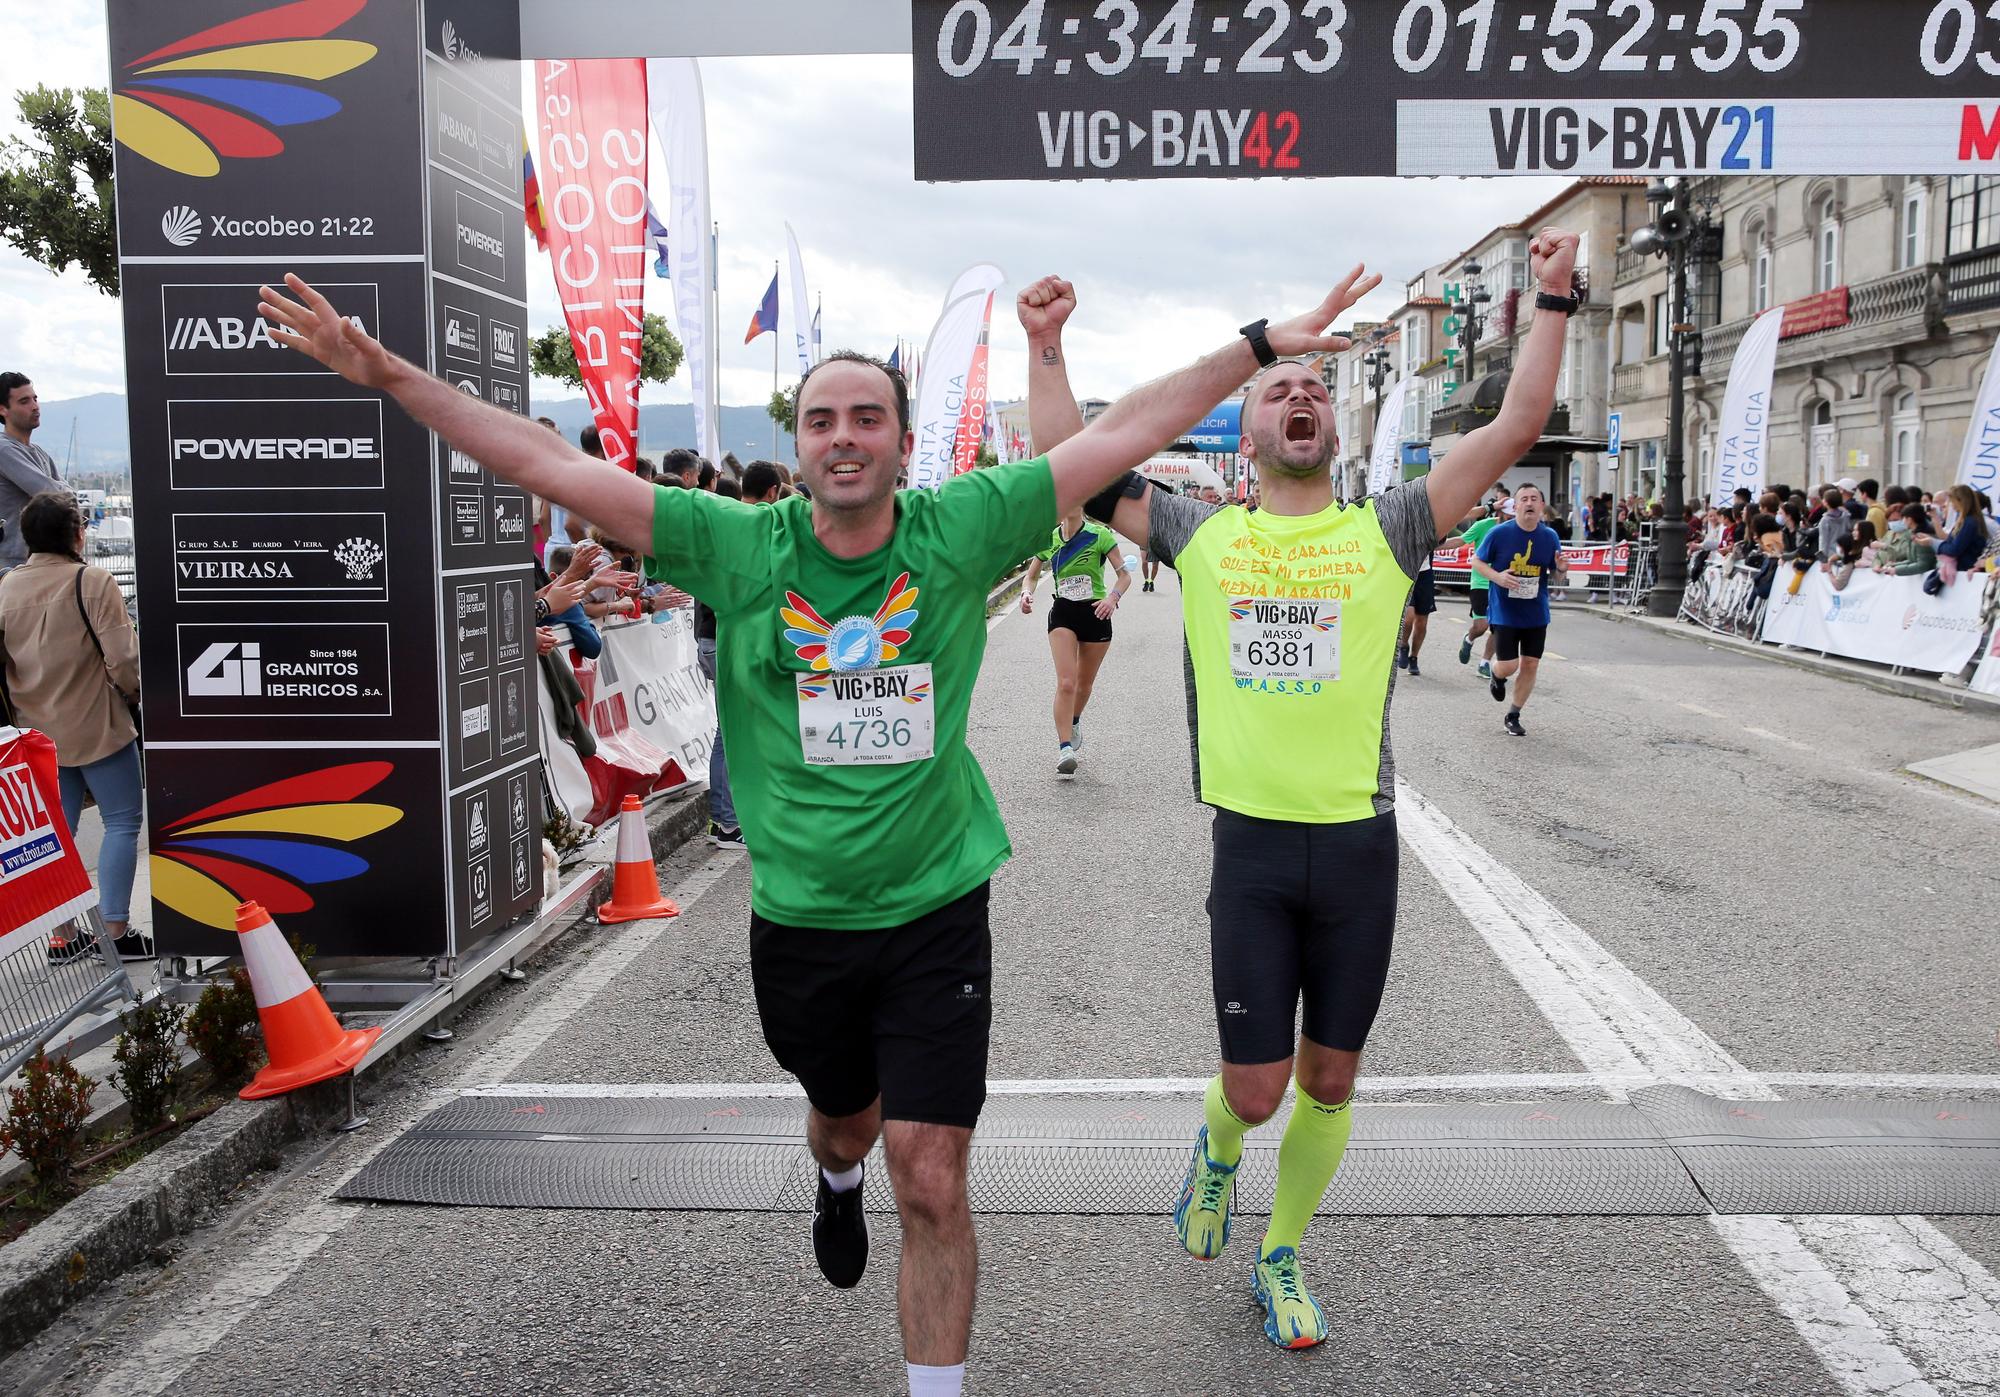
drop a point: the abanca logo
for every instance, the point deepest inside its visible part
(224, 92)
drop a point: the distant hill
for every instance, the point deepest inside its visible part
(102, 443)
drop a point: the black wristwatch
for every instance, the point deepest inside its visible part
(541, 610)
(1566, 305)
(1254, 332)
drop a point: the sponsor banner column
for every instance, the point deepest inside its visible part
(286, 557)
(479, 341)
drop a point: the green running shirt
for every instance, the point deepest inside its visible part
(835, 675)
(1087, 565)
(1291, 626)
(1472, 537)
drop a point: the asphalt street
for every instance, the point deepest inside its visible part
(1746, 883)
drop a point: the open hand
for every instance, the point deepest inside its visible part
(1306, 334)
(1106, 608)
(1552, 260)
(313, 327)
(561, 596)
(1044, 306)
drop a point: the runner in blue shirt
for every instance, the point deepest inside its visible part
(1520, 558)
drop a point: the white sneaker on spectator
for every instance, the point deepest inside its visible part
(1952, 681)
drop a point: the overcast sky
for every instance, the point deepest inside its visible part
(1165, 270)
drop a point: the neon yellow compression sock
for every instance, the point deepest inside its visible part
(1315, 1139)
(1226, 1129)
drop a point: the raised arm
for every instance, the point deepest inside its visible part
(1482, 456)
(1159, 413)
(514, 448)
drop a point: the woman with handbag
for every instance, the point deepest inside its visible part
(72, 671)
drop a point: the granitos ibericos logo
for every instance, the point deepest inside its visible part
(225, 92)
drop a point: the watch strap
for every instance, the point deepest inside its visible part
(1260, 344)
(1566, 305)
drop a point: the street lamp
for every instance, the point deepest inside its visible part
(1471, 323)
(1682, 235)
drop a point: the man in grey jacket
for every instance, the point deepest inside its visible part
(25, 469)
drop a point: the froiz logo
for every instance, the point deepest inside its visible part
(180, 225)
(215, 675)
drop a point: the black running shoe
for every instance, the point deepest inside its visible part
(1402, 658)
(840, 1234)
(724, 838)
(1415, 673)
(1497, 687)
(134, 945)
(1513, 725)
(66, 947)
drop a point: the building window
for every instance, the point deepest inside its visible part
(1415, 334)
(1825, 442)
(1661, 325)
(1826, 245)
(1910, 244)
(1906, 440)
(1973, 218)
(1705, 469)
(1632, 336)
(1760, 279)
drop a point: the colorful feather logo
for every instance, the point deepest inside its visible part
(846, 645)
(270, 844)
(1239, 610)
(918, 694)
(222, 93)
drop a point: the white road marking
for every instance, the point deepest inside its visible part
(1779, 738)
(161, 1360)
(1483, 1083)
(1705, 712)
(1892, 1307)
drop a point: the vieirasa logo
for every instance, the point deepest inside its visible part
(225, 92)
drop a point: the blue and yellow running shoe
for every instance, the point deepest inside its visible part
(1292, 1318)
(1202, 1215)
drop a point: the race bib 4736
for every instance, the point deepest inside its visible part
(876, 717)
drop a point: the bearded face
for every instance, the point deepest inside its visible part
(1288, 423)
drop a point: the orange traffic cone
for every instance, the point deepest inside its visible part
(306, 1044)
(635, 887)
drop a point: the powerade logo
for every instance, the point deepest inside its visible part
(225, 92)
(215, 329)
(275, 444)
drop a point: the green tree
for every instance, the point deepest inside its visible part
(55, 184)
(784, 409)
(660, 354)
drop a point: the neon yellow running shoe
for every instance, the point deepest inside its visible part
(1207, 1193)
(1292, 1318)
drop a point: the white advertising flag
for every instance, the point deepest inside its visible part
(1743, 432)
(673, 92)
(801, 317)
(1385, 462)
(947, 366)
(1979, 467)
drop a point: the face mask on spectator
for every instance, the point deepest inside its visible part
(1900, 526)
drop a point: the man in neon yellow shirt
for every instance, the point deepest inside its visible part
(849, 631)
(1291, 615)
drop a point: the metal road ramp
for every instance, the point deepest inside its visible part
(1670, 1151)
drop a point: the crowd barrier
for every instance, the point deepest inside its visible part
(44, 887)
(649, 710)
(1888, 620)
(1588, 563)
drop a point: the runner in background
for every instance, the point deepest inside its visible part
(1417, 620)
(1520, 558)
(1487, 518)
(1079, 619)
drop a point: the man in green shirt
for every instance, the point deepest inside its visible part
(1477, 530)
(850, 629)
(1291, 614)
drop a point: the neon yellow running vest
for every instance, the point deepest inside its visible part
(1291, 632)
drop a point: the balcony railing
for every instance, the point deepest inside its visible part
(1972, 281)
(1911, 298)
(1632, 266)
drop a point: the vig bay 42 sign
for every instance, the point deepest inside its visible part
(1134, 89)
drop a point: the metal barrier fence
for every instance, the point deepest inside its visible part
(39, 998)
(1724, 598)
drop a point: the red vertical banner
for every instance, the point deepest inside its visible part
(972, 412)
(591, 137)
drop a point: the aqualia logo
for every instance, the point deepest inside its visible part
(225, 93)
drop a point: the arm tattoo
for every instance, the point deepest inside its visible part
(1050, 357)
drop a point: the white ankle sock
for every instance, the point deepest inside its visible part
(844, 1180)
(936, 1382)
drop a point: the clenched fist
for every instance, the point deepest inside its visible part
(1044, 306)
(1552, 260)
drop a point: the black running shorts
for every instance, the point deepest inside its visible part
(904, 1014)
(1512, 642)
(1297, 912)
(1082, 618)
(1424, 595)
(1479, 595)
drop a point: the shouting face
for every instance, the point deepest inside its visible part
(1288, 422)
(851, 443)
